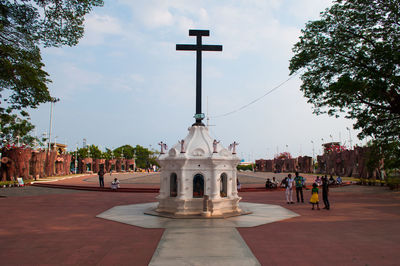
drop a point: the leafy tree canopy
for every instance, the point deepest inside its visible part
(25, 25)
(126, 151)
(91, 151)
(144, 157)
(350, 59)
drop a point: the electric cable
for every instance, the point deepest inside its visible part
(257, 99)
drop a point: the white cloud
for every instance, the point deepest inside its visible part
(98, 27)
(132, 58)
(137, 78)
(242, 26)
(309, 9)
(69, 79)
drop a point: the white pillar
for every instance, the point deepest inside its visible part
(215, 185)
(181, 185)
(234, 183)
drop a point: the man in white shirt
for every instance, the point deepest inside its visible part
(289, 191)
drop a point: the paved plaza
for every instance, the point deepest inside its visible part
(45, 226)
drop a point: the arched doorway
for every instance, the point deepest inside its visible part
(198, 186)
(223, 185)
(173, 185)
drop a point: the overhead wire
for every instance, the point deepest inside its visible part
(259, 98)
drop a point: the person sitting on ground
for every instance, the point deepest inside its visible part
(274, 183)
(332, 181)
(339, 180)
(268, 184)
(115, 184)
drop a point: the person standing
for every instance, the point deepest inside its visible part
(101, 177)
(289, 189)
(299, 181)
(314, 196)
(325, 191)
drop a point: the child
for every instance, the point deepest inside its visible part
(314, 196)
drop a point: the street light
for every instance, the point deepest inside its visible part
(52, 101)
(351, 146)
(76, 158)
(313, 150)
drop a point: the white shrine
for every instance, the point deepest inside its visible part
(198, 177)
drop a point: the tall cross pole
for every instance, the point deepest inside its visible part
(198, 47)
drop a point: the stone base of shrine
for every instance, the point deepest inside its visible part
(198, 208)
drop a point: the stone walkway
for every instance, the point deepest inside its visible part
(202, 246)
(41, 228)
(200, 241)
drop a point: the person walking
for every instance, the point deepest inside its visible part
(325, 191)
(101, 177)
(289, 189)
(299, 181)
(314, 196)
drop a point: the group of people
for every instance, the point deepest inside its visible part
(114, 183)
(299, 182)
(270, 184)
(331, 180)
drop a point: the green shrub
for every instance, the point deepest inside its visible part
(245, 167)
(393, 182)
(7, 183)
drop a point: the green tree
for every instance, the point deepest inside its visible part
(127, 151)
(383, 156)
(91, 151)
(95, 152)
(144, 157)
(350, 58)
(108, 154)
(25, 26)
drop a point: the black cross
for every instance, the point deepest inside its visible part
(198, 47)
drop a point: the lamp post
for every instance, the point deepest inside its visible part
(91, 163)
(313, 150)
(76, 158)
(122, 159)
(52, 102)
(134, 160)
(351, 146)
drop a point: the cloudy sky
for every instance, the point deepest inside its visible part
(125, 83)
